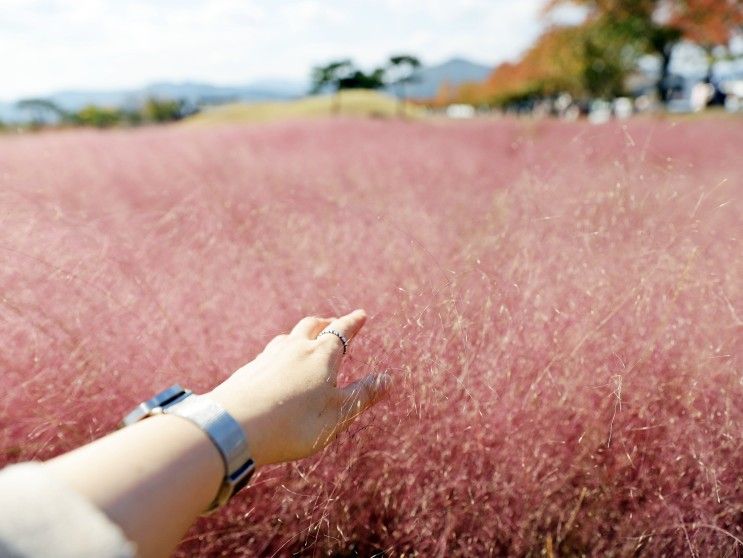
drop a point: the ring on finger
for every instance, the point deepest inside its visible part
(338, 334)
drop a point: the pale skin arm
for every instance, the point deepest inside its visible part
(154, 478)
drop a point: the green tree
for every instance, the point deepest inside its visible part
(402, 69)
(331, 76)
(98, 117)
(343, 74)
(162, 110)
(608, 58)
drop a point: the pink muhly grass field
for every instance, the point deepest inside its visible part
(560, 305)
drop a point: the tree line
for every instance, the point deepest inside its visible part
(594, 58)
(43, 112)
(399, 71)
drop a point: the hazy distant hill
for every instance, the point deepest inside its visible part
(6, 111)
(194, 93)
(454, 71)
(189, 91)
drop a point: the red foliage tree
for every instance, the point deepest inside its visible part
(706, 22)
(562, 60)
(662, 23)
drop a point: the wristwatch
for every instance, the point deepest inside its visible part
(221, 428)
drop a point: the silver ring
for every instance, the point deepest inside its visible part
(338, 334)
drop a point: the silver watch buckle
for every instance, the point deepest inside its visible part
(154, 406)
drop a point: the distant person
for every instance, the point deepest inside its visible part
(701, 93)
(137, 490)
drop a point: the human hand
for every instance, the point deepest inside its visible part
(287, 399)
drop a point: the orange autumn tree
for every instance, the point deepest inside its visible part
(446, 94)
(552, 64)
(581, 60)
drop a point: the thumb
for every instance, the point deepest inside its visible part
(357, 397)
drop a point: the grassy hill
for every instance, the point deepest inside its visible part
(357, 102)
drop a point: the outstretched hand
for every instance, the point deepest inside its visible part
(287, 399)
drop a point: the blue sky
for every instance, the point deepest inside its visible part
(49, 45)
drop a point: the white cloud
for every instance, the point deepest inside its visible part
(305, 14)
(57, 44)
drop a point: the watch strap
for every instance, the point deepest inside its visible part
(222, 429)
(228, 437)
(218, 424)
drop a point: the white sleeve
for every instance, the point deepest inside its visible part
(42, 517)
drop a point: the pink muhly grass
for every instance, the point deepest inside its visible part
(560, 305)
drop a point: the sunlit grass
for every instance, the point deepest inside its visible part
(351, 103)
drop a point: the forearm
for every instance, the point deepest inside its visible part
(153, 479)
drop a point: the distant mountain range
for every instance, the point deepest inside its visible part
(431, 78)
(193, 93)
(453, 72)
